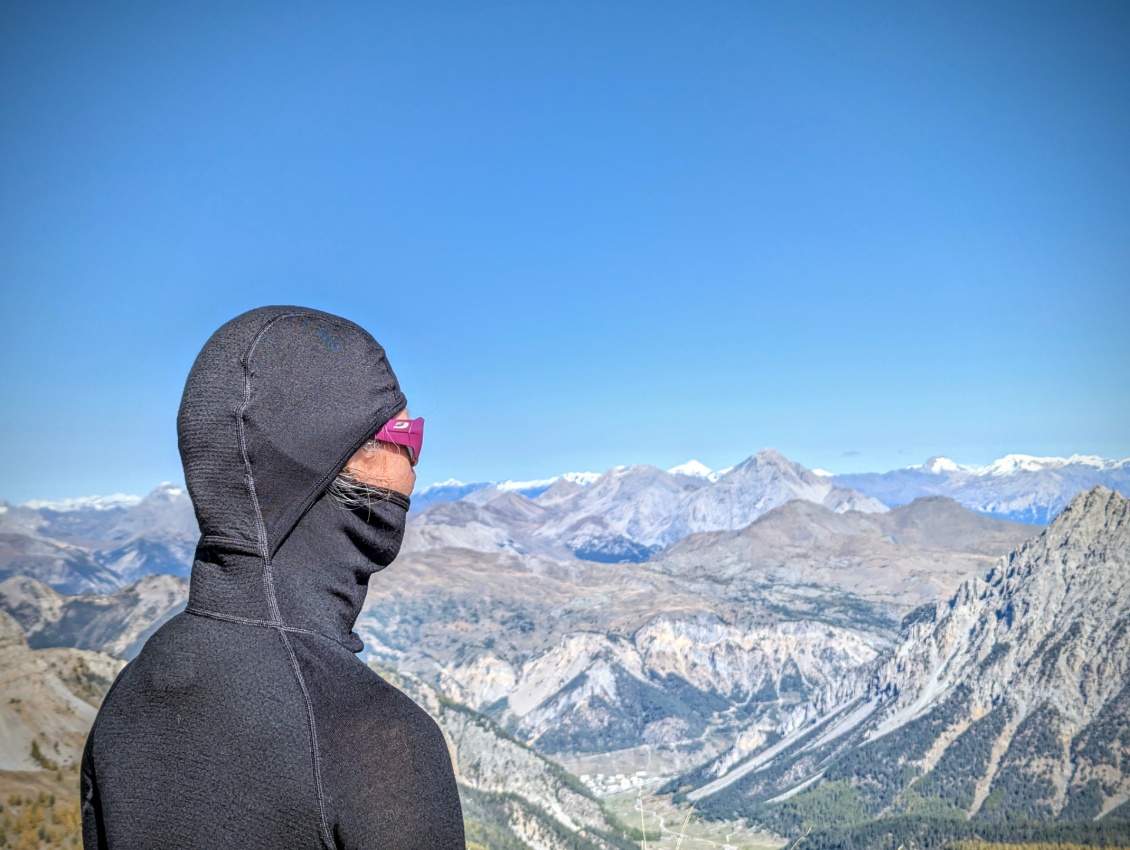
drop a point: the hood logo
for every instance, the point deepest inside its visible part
(327, 338)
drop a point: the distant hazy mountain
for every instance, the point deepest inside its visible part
(900, 559)
(1017, 487)
(96, 545)
(452, 490)
(756, 485)
(627, 513)
(1010, 700)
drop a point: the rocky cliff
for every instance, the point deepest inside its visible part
(1011, 698)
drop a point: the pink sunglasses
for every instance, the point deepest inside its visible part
(404, 432)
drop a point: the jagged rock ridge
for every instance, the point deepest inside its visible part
(1012, 697)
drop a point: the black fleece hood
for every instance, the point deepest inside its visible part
(276, 403)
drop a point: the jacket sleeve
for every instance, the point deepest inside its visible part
(93, 831)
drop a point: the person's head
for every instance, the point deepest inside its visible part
(278, 403)
(377, 466)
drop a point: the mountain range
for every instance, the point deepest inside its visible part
(775, 645)
(1017, 487)
(1009, 699)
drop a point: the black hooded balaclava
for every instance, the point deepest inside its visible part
(248, 721)
(277, 402)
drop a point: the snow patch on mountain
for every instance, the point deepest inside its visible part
(1011, 464)
(695, 469)
(84, 503)
(941, 466)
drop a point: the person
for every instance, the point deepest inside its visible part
(248, 720)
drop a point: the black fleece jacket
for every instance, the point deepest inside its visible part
(248, 721)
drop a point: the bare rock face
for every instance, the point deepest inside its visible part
(581, 656)
(754, 487)
(1040, 652)
(117, 623)
(1010, 699)
(721, 631)
(508, 788)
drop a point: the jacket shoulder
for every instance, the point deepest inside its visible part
(386, 772)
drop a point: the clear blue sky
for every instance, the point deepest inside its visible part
(587, 233)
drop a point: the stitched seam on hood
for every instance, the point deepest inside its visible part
(261, 527)
(268, 579)
(374, 427)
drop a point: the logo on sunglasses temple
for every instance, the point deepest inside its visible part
(401, 424)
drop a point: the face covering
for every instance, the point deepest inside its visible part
(321, 571)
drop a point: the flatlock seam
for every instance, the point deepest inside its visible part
(316, 757)
(349, 452)
(264, 624)
(268, 579)
(260, 526)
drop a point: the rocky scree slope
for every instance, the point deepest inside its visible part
(49, 700)
(509, 789)
(1010, 699)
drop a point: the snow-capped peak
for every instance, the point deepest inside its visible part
(939, 465)
(1011, 464)
(450, 482)
(166, 490)
(584, 479)
(694, 469)
(1093, 460)
(823, 473)
(517, 486)
(96, 503)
